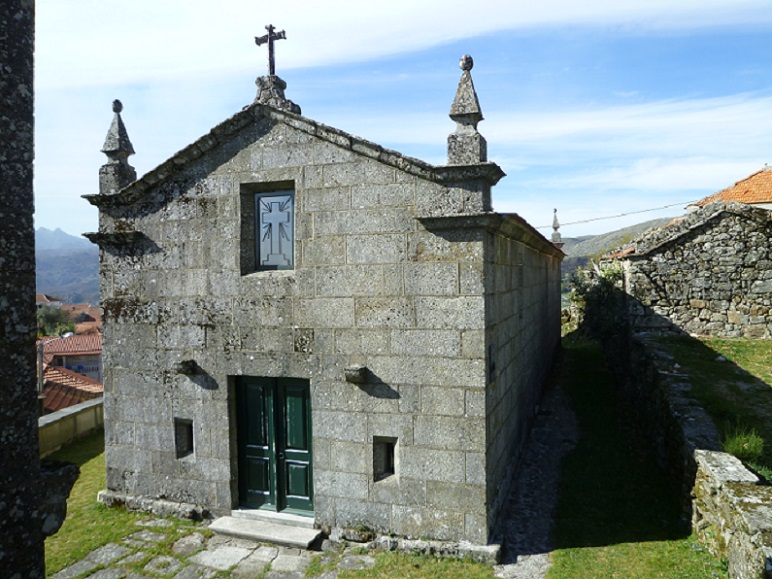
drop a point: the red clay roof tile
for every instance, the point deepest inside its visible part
(756, 188)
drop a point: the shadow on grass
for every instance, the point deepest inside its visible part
(615, 486)
(82, 450)
(736, 399)
(612, 490)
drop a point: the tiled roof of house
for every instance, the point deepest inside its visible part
(63, 388)
(756, 188)
(75, 345)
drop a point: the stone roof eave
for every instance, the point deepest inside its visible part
(510, 225)
(682, 228)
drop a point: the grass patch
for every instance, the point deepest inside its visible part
(321, 564)
(732, 380)
(684, 559)
(617, 515)
(390, 565)
(90, 524)
(744, 443)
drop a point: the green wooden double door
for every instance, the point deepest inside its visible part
(274, 442)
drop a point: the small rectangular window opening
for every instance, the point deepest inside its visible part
(274, 230)
(384, 457)
(267, 226)
(183, 437)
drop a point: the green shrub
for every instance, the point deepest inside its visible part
(744, 443)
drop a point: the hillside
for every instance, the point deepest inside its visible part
(579, 250)
(66, 266)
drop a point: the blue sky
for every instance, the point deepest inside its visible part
(594, 110)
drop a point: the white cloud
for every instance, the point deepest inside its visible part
(183, 66)
(107, 41)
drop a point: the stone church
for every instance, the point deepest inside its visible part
(302, 323)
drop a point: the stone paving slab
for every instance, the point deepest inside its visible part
(108, 574)
(285, 562)
(283, 575)
(196, 572)
(108, 553)
(188, 544)
(163, 564)
(250, 567)
(148, 536)
(133, 558)
(356, 562)
(222, 558)
(75, 569)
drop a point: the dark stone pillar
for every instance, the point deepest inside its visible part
(24, 513)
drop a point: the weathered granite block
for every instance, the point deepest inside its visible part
(432, 464)
(443, 343)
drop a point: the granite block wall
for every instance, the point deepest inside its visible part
(522, 337)
(380, 281)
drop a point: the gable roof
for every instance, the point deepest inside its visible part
(63, 388)
(75, 345)
(489, 172)
(656, 239)
(756, 188)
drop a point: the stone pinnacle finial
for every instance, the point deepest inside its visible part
(557, 240)
(117, 145)
(116, 173)
(466, 146)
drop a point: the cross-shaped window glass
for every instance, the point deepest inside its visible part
(274, 230)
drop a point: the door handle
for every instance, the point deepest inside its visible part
(280, 456)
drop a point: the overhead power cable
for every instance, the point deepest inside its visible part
(619, 215)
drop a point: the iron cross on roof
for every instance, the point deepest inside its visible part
(269, 38)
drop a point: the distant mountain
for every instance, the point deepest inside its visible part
(580, 250)
(66, 266)
(58, 239)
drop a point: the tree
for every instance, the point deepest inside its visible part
(53, 321)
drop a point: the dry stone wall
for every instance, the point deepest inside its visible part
(710, 274)
(729, 511)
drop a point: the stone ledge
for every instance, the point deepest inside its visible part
(158, 507)
(485, 554)
(731, 512)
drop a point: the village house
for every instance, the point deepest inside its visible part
(81, 353)
(299, 322)
(63, 388)
(708, 273)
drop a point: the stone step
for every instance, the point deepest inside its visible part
(273, 517)
(265, 532)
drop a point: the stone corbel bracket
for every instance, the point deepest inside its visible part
(134, 241)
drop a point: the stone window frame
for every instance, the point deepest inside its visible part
(385, 457)
(249, 248)
(184, 444)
